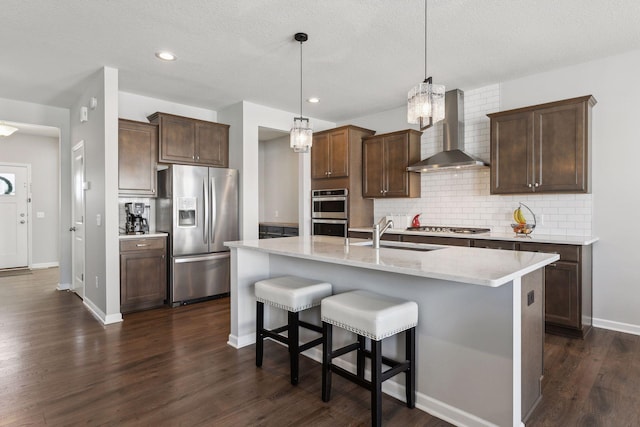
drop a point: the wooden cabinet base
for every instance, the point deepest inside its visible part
(143, 274)
(564, 331)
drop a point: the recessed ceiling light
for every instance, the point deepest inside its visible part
(313, 100)
(165, 56)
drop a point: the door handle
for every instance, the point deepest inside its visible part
(205, 194)
(214, 208)
(72, 229)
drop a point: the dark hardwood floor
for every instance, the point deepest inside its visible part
(59, 366)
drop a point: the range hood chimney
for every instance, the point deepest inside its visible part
(453, 155)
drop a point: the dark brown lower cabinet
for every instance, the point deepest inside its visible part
(143, 273)
(562, 300)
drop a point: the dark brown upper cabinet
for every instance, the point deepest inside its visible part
(137, 158)
(330, 154)
(542, 148)
(384, 164)
(191, 141)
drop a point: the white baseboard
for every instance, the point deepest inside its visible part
(42, 265)
(617, 326)
(242, 341)
(64, 286)
(424, 403)
(99, 314)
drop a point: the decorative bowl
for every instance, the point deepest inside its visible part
(523, 229)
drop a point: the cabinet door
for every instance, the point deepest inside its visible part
(372, 167)
(560, 148)
(396, 156)
(562, 298)
(339, 154)
(320, 156)
(143, 280)
(511, 153)
(177, 140)
(212, 144)
(137, 158)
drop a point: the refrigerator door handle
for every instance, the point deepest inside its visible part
(205, 193)
(214, 208)
(217, 255)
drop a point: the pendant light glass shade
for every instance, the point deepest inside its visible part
(6, 130)
(425, 102)
(301, 137)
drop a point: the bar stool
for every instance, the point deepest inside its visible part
(293, 294)
(373, 316)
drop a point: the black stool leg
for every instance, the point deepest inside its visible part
(294, 345)
(376, 383)
(360, 356)
(259, 331)
(410, 374)
(327, 341)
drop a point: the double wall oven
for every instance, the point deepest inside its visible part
(329, 212)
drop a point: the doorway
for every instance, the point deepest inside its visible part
(278, 174)
(15, 216)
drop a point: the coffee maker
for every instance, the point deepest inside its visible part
(136, 223)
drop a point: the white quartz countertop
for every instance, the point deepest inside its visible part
(478, 266)
(141, 236)
(533, 237)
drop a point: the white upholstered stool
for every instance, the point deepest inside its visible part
(373, 316)
(293, 294)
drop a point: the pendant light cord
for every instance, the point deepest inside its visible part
(300, 80)
(425, 40)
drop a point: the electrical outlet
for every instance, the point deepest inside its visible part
(541, 218)
(277, 214)
(530, 298)
(97, 282)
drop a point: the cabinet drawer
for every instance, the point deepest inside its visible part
(494, 244)
(434, 240)
(149, 243)
(566, 252)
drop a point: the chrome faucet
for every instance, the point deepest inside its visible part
(379, 229)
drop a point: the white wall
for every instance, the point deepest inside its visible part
(100, 136)
(42, 153)
(245, 118)
(462, 198)
(26, 112)
(278, 180)
(613, 82)
(137, 107)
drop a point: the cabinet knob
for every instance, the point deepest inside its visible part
(529, 185)
(381, 191)
(537, 185)
(197, 157)
(553, 265)
(329, 173)
(193, 157)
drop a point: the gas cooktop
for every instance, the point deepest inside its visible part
(446, 229)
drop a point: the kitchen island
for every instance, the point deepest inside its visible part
(480, 327)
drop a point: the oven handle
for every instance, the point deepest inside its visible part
(329, 221)
(329, 199)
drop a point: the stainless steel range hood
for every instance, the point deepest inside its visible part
(453, 155)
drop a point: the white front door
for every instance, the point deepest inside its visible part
(77, 220)
(14, 216)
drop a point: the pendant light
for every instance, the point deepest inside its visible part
(425, 101)
(301, 132)
(6, 130)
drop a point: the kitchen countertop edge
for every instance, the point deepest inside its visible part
(534, 238)
(431, 264)
(141, 236)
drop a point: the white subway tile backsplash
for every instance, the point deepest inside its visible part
(461, 198)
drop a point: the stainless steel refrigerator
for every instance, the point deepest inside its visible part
(198, 207)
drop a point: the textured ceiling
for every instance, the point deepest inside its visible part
(362, 55)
